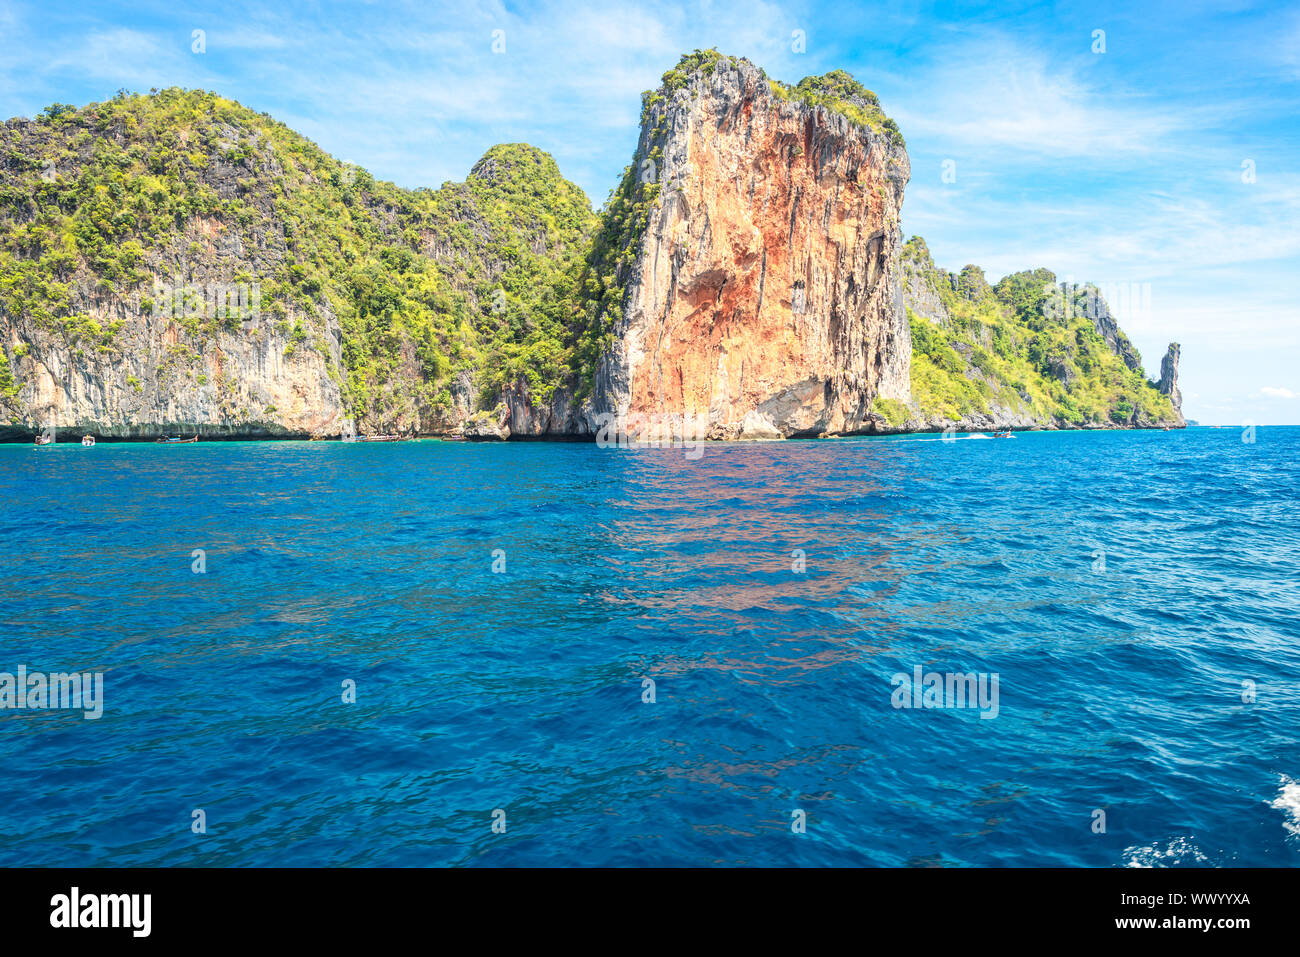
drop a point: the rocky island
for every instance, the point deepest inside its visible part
(174, 262)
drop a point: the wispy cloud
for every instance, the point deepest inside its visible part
(995, 94)
(127, 57)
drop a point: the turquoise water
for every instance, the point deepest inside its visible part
(1120, 673)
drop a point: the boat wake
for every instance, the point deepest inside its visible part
(1179, 851)
(962, 438)
(1288, 802)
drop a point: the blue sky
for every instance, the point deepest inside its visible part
(1122, 167)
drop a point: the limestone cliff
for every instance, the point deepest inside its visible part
(157, 380)
(761, 295)
(1025, 353)
(123, 315)
(176, 263)
(1168, 384)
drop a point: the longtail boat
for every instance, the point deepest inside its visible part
(176, 441)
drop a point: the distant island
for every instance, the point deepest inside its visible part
(175, 263)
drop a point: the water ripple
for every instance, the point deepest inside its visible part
(1135, 593)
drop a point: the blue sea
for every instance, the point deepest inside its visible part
(568, 655)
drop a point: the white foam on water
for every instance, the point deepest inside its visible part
(957, 438)
(1288, 802)
(1180, 850)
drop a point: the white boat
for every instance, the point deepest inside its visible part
(87, 440)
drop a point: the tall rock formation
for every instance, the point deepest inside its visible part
(178, 263)
(762, 296)
(1169, 380)
(134, 262)
(1026, 353)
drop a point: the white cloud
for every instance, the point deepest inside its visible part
(126, 58)
(1278, 392)
(995, 93)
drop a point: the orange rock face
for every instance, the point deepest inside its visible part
(766, 295)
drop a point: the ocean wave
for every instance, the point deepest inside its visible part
(1288, 802)
(648, 651)
(1172, 853)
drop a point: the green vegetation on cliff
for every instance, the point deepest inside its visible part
(424, 303)
(895, 413)
(601, 282)
(1026, 345)
(8, 388)
(602, 279)
(182, 186)
(840, 93)
(697, 61)
(544, 223)
(836, 91)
